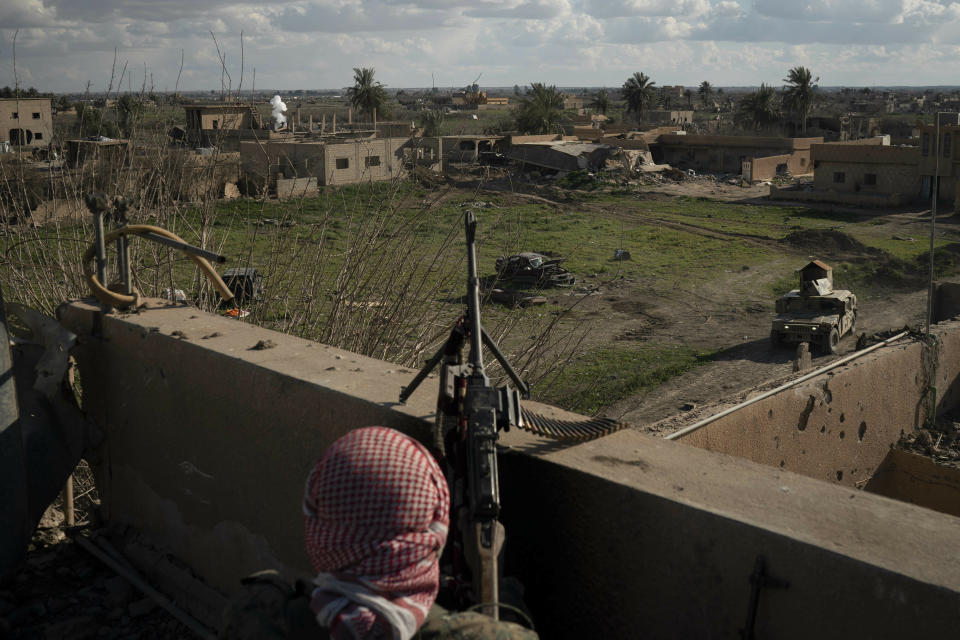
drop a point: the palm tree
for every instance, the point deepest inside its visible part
(540, 109)
(689, 96)
(639, 93)
(799, 94)
(705, 90)
(601, 101)
(759, 109)
(432, 122)
(367, 94)
(666, 99)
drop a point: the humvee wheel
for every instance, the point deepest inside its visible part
(776, 340)
(833, 341)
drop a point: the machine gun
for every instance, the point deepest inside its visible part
(470, 414)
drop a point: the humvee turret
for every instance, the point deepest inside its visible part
(815, 313)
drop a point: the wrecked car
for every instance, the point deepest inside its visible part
(533, 270)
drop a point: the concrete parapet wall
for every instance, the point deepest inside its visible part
(836, 427)
(840, 426)
(209, 439)
(918, 480)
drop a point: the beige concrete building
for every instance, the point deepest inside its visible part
(866, 170)
(674, 91)
(265, 164)
(939, 157)
(862, 173)
(221, 124)
(726, 154)
(573, 102)
(26, 122)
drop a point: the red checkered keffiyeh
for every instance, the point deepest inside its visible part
(377, 510)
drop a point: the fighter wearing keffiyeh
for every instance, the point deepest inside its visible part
(377, 509)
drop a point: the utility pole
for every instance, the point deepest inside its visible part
(934, 188)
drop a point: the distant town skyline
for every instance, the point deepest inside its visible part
(64, 45)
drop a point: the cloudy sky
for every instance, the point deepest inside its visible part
(65, 44)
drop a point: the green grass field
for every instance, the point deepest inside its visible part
(379, 269)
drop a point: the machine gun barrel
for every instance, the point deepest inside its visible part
(473, 295)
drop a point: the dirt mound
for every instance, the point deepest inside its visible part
(828, 241)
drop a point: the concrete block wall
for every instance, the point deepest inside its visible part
(209, 437)
(837, 427)
(766, 168)
(840, 426)
(918, 480)
(862, 199)
(296, 188)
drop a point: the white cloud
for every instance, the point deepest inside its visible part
(664, 8)
(518, 9)
(315, 43)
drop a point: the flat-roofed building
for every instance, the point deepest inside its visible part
(267, 164)
(726, 154)
(26, 122)
(940, 157)
(221, 124)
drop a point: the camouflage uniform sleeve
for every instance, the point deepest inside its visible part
(268, 608)
(450, 625)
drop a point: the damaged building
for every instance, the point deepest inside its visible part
(560, 155)
(221, 125)
(726, 154)
(299, 167)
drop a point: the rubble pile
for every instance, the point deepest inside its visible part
(63, 592)
(941, 443)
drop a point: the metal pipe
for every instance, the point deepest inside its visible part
(853, 356)
(69, 517)
(153, 594)
(101, 247)
(473, 295)
(123, 264)
(183, 246)
(935, 188)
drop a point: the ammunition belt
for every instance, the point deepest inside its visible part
(587, 429)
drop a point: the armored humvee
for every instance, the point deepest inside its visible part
(815, 313)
